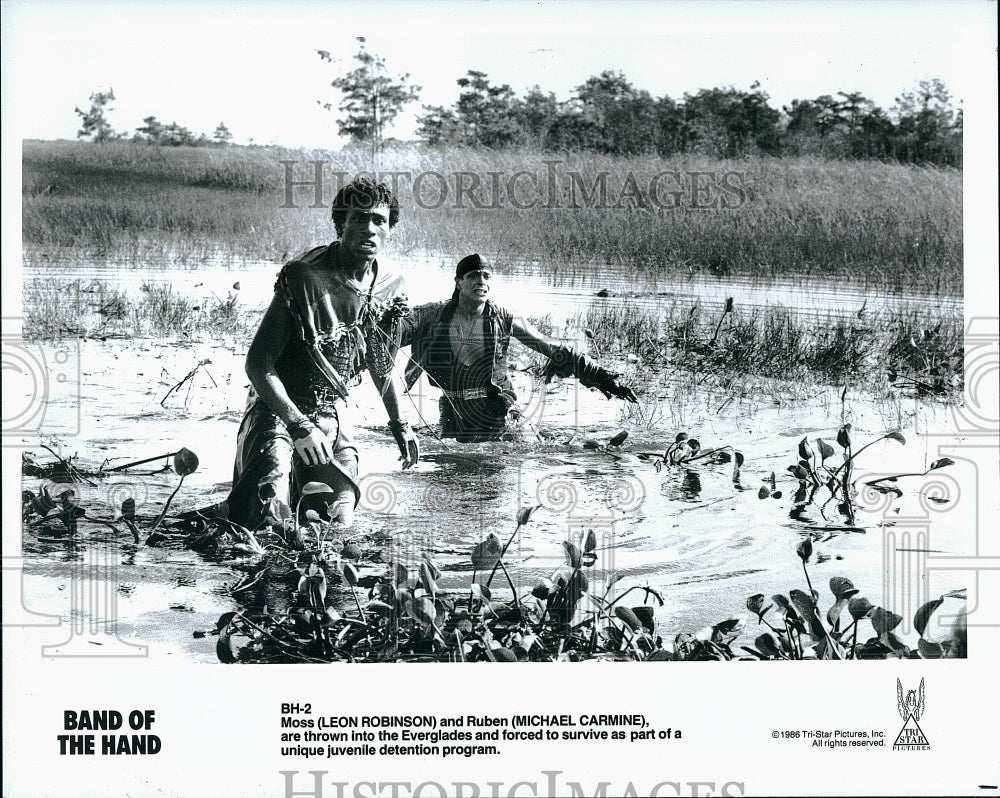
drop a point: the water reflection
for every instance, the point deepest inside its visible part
(682, 487)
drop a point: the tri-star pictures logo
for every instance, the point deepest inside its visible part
(911, 706)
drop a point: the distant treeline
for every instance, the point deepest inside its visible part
(607, 114)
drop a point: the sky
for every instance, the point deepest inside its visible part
(253, 65)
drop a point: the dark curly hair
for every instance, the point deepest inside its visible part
(363, 193)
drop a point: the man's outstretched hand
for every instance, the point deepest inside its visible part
(607, 383)
(407, 441)
(623, 391)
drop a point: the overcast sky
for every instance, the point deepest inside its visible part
(253, 65)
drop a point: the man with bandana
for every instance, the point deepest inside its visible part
(462, 346)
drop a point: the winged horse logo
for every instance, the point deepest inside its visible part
(912, 704)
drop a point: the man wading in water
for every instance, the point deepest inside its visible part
(331, 317)
(462, 345)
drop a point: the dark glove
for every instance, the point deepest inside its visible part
(607, 383)
(567, 363)
(406, 440)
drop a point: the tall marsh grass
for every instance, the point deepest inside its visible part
(889, 226)
(908, 345)
(57, 308)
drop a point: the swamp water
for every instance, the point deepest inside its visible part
(702, 541)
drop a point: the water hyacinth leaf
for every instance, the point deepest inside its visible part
(825, 449)
(681, 437)
(645, 615)
(504, 655)
(619, 439)
(923, 615)
(958, 594)
(427, 579)
(128, 509)
(424, 610)
(524, 514)
(884, 621)
(842, 587)
(844, 436)
(224, 620)
(805, 549)
(312, 515)
(312, 589)
(833, 614)
(350, 574)
(859, 607)
(224, 649)
(781, 601)
(378, 607)
(729, 305)
(487, 553)
(573, 555)
(591, 541)
(351, 551)
(185, 462)
(805, 450)
(542, 589)
(763, 493)
(798, 472)
(767, 645)
(896, 436)
(804, 603)
(728, 630)
(434, 570)
(705, 634)
(590, 443)
(694, 445)
(315, 488)
(929, 649)
(944, 461)
(756, 605)
(628, 617)
(43, 503)
(399, 573)
(828, 648)
(739, 459)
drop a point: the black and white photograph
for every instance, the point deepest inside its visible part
(350, 348)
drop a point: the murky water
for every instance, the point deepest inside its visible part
(701, 539)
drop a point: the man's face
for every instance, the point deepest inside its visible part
(365, 231)
(474, 286)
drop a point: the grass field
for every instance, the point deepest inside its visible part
(909, 346)
(884, 226)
